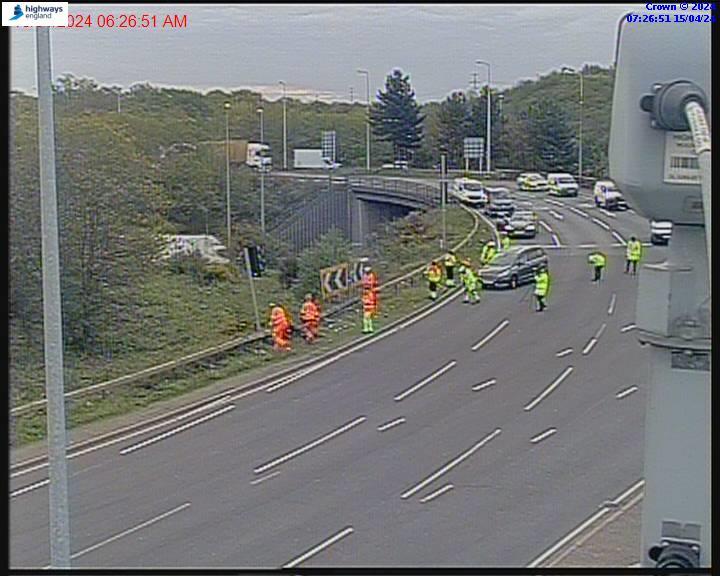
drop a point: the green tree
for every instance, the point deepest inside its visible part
(552, 137)
(396, 116)
(454, 125)
(332, 248)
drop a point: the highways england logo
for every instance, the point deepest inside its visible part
(35, 14)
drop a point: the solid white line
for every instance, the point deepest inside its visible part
(484, 384)
(550, 388)
(130, 531)
(450, 465)
(174, 431)
(260, 480)
(557, 214)
(599, 514)
(544, 435)
(309, 446)
(589, 346)
(320, 547)
(600, 223)
(626, 392)
(627, 328)
(544, 225)
(611, 308)
(587, 246)
(437, 493)
(492, 334)
(556, 240)
(21, 491)
(618, 237)
(564, 352)
(422, 383)
(391, 424)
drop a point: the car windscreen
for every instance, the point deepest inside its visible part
(566, 181)
(504, 259)
(474, 187)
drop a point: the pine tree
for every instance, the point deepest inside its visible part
(453, 127)
(396, 117)
(552, 138)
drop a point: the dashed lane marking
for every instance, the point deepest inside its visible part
(626, 392)
(492, 334)
(389, 425)
(320, 547)
(484, 385)
(549, 389)
(543, 435)
(425, 381)
(437, 493)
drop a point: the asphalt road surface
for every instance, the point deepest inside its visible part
(476, 436)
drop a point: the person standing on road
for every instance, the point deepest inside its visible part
(310, 317)
(470, 282)
(633, 252)
(434, 274)
(505, 241)
(488, 253)
(597, 260)
(542, 286)
(450, 263)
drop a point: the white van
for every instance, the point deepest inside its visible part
(469, 191)
(562, 184)
(606, 195)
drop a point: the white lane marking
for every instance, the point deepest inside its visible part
(589, 346)
(320, 547)
(544, 225)
(550, 388)
(390, 424)
(492, 334)
(618, 237)
(541, 437)
(127, 436)
(600, 223)
(556, 241)
(573, 533)
(556, 214)
(608, 213)
(611, 308)
(564, 352)
(626, 392)
(579, 212)
(29, 488)
(647, 243)
(425, 381)
(627, 328)
(310, 446)
(551, 201)
(484, 384)
(600, 330)
(587, 246)
(437, 493)
(450, 465)
(131, 530)
(174, 431)
(248, 392)
(261, 480)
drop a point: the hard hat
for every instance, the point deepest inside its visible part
(368, 268)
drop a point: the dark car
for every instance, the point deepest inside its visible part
(513, 267)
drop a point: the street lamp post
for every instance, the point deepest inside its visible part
(367, 121)
(284, 126)
(487, 124)
(227, 173)
(262, 175)
(566, 70)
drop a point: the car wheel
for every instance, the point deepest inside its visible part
(513, 282)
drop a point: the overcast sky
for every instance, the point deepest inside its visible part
(317, 49)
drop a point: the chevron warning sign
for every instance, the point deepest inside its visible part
(334, 279)
(355, 272)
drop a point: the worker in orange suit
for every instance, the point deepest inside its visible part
(310, 317)
(369, 304)
(280, 327)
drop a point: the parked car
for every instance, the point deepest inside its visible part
(562, 184)
(607, 195)
(513, 267)
(521, 224)
(469, 191)
(660, 231)
(500, 204)
(531, 182)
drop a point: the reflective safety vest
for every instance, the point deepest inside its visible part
(469, 279)
(278, 319)
(433, 273)
(597, 259)
(633, 250)
(450, 261)
(542, 283)
(488, 253)
(369, 302)
(309, 312)
(505, 242)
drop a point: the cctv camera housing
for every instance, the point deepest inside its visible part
(657, 169)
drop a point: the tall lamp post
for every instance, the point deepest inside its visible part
(262, 175)
(367, 121)
(566, 70)
(227, 173)
(284, 125)
(487, 123)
